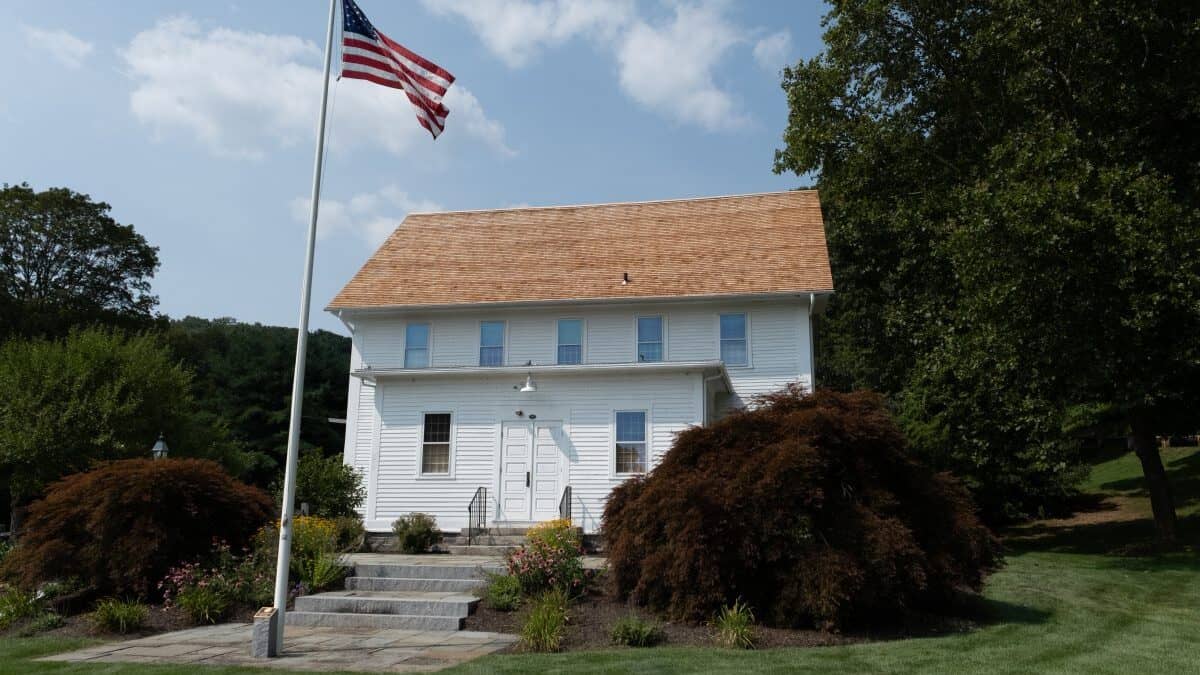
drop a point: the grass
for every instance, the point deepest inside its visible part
(1063, 604)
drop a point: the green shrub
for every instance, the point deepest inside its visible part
(416, 532)
(322, 572)
(5, 547)
(503, 592)
(350, 533)
(16, 604)
(313, 537)
(203, 604)
(43, 623)
(634, 631)
(329, 487)
(734, 626)
(119, 616)
(120, 527)
(833, 522)
(552, 557)
(546, 623)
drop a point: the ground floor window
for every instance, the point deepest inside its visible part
(435, 451)
(631, 442)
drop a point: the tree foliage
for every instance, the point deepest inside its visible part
(1011, 198)
(807, 507)
(96, 394)
(243, 380)
(65, 262)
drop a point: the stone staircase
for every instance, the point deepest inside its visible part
(431, 592)
(495, 542)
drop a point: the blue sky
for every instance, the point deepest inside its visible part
(195, 121)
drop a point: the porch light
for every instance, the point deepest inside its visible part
(160, 447)
(529, 385)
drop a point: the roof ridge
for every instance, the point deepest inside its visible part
(597, 204)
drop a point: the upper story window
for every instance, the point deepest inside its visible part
(570, 341)
(649, 339)
(733, 340)
(631, 442)
(416, 345)
(491, 343)
(435, 450)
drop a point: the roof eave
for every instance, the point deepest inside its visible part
(771, 295)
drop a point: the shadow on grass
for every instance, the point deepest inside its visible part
(1114, 538)
(1184, 475)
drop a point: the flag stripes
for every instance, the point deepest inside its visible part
(368, 54)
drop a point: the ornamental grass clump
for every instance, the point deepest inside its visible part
(734, 627)
(634, 631)
(547, 622)
(119, 616)
(808, 508)
(551, 558)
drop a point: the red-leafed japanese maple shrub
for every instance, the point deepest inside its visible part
(806, 507)
(119, 528)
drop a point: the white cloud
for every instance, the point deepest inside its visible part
(59, 44)
(664, 65)
(772, 51)
(517, 30)
(240, 93)
(669, 68)
(371, 216)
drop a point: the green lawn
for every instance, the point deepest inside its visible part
(1063, 604)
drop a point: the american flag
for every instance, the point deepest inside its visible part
(370, 55)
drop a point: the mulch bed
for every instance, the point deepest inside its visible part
(592, 618)
(159, 620)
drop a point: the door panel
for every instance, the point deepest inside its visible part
(515, 467)
(545, 471)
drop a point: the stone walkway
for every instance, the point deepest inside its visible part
(317, 649)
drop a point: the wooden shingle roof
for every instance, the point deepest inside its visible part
(739, 245)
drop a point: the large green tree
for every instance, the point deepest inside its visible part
(96, 394)
(64, 262)
(243, 379)
(1011, 195)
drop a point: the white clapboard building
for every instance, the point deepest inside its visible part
(517, 364)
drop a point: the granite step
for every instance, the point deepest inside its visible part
(412, 584)
(469, 571)
(377, 621)
(491, 551)
(404, 603)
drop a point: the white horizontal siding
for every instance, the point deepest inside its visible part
(585, 406)
(780, 339)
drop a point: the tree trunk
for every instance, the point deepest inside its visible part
(1161, 500)
(15, 516)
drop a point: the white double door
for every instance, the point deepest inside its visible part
(530, 466)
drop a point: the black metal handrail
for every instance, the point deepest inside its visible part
(564, 505)
(476, 514)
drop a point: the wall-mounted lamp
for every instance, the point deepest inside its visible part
(529, 385)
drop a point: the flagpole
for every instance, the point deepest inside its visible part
(293, 444)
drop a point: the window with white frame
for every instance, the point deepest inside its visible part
(491, 343)
(631, 442)
(649, 339)
(435, 448)
(733, 340)
(570, 341)
(416, 345)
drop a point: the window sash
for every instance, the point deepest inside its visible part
(649, 339)
(491, 343)
(630, 442)
(416, 345)
(435, 458)
(435, 448)
(631, 457)
(734, 353)
(570, 341)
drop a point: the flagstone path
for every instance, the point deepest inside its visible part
(318, 649)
